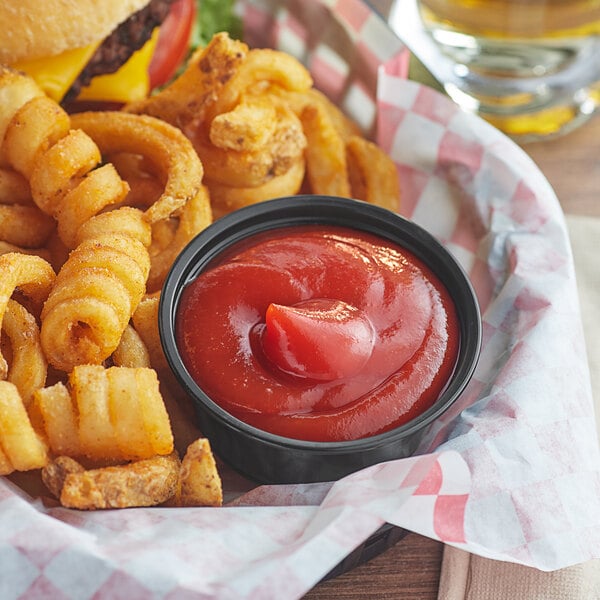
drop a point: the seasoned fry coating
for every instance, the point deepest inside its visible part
(28, 367)
(189, 96)
(165, 146)
(96, 292)
(32, 275)
(199, 481)
(145, 482)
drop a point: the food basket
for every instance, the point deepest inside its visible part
(511, 472)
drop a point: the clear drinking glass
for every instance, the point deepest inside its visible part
(530, 67)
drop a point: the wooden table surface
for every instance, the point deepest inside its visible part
(410, 569)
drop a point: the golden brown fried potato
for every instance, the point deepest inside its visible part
(28, 366)
(19, 442)
(32, 275)
(326, 166)
(145, 321)
(245, 128)
(59, 419)
(25, 226)
(131, 351)
(373, 174)
(199, 480)
(145, 482)
(162, 144)
(195, 216)
(283, 149)
(226, 198)
(189, 96)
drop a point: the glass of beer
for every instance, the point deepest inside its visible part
(530, 67)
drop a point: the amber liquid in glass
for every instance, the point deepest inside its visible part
(532, 65)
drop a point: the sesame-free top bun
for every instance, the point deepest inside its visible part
(41, 28)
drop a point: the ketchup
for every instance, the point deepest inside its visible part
(319, 333)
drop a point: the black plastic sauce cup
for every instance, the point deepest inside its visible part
(269, 458)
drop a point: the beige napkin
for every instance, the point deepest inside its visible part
(465, 576)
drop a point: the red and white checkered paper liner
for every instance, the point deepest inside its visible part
(511, 472)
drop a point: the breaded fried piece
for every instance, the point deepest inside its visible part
(141, 483)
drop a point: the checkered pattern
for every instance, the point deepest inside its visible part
(510, 472)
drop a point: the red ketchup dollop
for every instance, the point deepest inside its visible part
(319, 333)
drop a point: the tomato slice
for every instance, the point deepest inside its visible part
(173, 42)
(319, 339)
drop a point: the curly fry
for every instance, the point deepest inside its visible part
(25, 226)
(372, 174)
(326, 166)
(195, 216)
(28, 367)
(227, 198)
(189, 96)
(283, 148)
(260, 66)
(96, 291)
(14, 188)
(32, 275)
(166, 146)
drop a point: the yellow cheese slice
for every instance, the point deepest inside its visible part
(55, 75)
(131, 82)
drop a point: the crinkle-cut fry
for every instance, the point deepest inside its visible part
(145, 321)
(326, 166)
(247, 127)
(59, 419)
(15, 90)
(126, 406)
(28, 368)
(253, 168)
(164, 145)
(96, 292)
(32, 275)
(262, 66)
(199, 480)
(91, 396)
(131, 351)
(14, 188)
(187, 98)
(226, 199)
(25, 226)
(195, 216)
(373, 174)
(154, 414)
(146, 482)
(121, 413)
(22, 446)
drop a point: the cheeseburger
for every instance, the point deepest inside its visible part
(96, 50)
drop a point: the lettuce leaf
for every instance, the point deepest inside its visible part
(215, 16)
